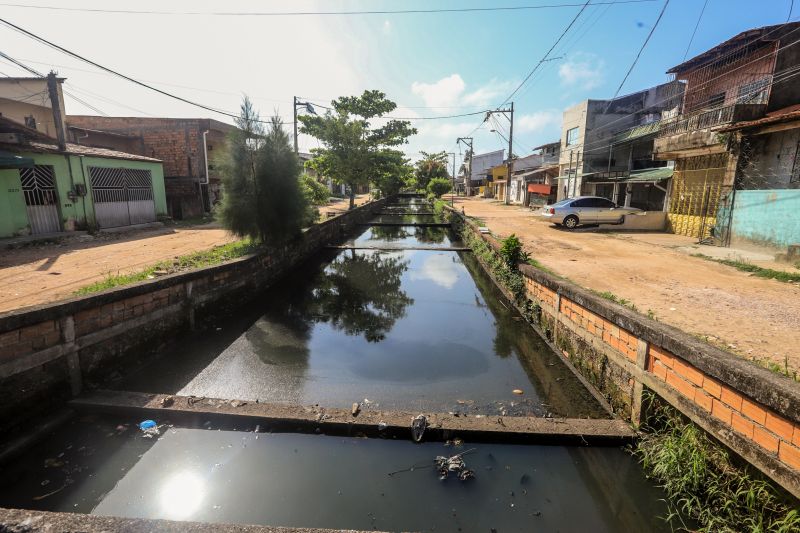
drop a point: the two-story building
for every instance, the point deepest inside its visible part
(588, 155)
(735, 133)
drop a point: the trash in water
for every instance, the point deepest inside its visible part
(149, 428)
(518, 391)
(418, 425)
(455, 464)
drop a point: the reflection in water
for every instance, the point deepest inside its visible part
(423, 234)
(181, 495)
(360, 294)
(280, 343)
(440, 269)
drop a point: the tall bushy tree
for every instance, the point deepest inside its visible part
(263, 199)
(393, 172)
(353, 149)
(430, 166)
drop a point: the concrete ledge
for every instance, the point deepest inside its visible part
(24, 521)
(441, 426)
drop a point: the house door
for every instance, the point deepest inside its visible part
(696, 187)
(41, 200)
(122, 196)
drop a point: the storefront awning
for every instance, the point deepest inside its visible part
(11, 160)
(651, 174)
(539, 188)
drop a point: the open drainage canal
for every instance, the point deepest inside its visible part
(407, 329)
(217, 474)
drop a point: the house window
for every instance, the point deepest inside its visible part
(30, 121)
(754, 92)
(572, 136)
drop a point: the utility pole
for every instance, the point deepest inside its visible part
(295, 104)
(453, 177)
(467, 175)
(509, 114)
(55, 103)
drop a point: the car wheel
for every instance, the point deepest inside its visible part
(571, 222)
(621, 220)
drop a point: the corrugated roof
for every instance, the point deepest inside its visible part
(748, 36)
(637, 132)
(75, 149)
(786, 114)
(651, 174)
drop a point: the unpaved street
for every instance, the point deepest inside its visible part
(40, 273)
(753, 317)
(43, 273)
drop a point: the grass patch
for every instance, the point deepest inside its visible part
(703, 483)
(616, 299)
(767, 273)
(204, 258)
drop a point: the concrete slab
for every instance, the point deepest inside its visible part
(441, 426)
(22, 520)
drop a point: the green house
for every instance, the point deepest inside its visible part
(46, 189)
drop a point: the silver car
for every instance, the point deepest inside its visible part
(574, 212)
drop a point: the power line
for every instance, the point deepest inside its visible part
(691, 39)
(544, 58)
(123, 76)
(319, 13)
(636, 59)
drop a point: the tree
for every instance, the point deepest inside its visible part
(429, 167)
(392, 172)
(260, 171)
(353, 148)
(438, 186)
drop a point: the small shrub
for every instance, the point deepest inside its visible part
(512, 252)
(438, 186)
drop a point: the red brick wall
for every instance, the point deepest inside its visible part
(757, 423)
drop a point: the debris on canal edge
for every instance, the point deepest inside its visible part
(356, 409)
(418, 425)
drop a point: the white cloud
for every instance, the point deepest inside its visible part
(584, 70)
(443, 93)
(438, 268)
(449, 92)
(387, 27)
(539, 121)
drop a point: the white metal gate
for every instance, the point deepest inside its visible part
(122, 196)
(41, 200)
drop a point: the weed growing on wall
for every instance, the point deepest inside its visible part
(510, 278)
(703, 483)
(767, 273)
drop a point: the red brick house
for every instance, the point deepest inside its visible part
(185, 145)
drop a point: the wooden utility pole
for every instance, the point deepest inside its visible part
(55, 103)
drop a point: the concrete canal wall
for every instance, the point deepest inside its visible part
(751, 410)
(49, 353)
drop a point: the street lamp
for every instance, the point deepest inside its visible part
(309, 108)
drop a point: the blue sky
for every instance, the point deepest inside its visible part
(430, 64)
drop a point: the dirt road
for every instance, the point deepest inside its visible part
(753, 317)
(43, 273)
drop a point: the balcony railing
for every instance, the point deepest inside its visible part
(704, 120)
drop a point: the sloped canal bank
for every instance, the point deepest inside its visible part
(401, 329)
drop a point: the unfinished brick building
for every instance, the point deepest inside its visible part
(192, 185)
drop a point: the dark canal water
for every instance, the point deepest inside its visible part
(404, 329)
(106, 467)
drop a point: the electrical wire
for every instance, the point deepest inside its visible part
(123, 76)
(320, 13)
(638, 54)
(697, 25)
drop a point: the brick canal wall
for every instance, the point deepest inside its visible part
(751, 410)
(49, 353)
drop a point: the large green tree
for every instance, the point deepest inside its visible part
(430, 166)
(263, 199)
(392, 173)
(353, 149)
